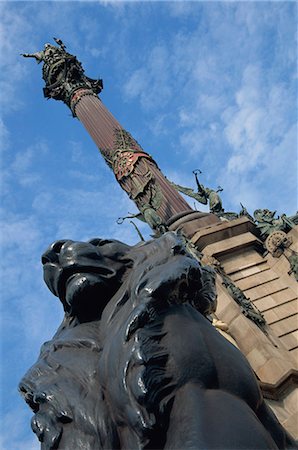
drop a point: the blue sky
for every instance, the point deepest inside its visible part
(208, 85)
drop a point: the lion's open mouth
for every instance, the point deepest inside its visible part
(29, 397)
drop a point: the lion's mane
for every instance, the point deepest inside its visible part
(137, 385)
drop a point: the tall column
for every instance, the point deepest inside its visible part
(134, 169)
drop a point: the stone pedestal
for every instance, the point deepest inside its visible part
(273, 352)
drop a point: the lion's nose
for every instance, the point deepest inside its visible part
(51, 255)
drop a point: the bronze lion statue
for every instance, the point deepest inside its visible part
(136, 364)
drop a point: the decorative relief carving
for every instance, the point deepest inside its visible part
(276, 242)
(126, 153)
(247, 307)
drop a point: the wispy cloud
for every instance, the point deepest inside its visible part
(209, 85)
(234, 118)
(22, 168)
(151, 84)
(15, 29)
(262, 135)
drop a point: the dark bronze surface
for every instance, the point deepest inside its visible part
(135, 363)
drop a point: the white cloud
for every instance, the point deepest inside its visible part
(29, 316)
(18, 232)
(23, 169)
(136, 84)
(152, 84)
(262, 135)
(256, 123)
(15, 32)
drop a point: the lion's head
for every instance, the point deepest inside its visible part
(115, 297)
(85, 275)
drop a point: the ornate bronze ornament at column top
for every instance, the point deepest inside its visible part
(63, 73)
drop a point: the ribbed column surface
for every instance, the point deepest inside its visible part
(101, 125)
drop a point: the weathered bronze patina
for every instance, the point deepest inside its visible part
(267, 222)
(63, 73)
(206, 196)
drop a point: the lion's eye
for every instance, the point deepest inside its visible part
(95, 241)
